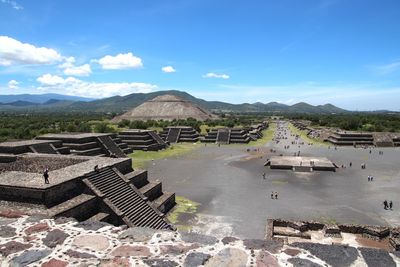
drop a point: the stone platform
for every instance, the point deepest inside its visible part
(115, 193)
(300, 163)
(35, 146)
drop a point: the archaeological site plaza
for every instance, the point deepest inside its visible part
(229, 201)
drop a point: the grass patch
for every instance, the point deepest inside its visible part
(328, 220)
(305, 137)
(279, 182)
(157, 129)
(140, 158)
(183, 205)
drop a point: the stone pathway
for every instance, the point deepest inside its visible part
(34, 241)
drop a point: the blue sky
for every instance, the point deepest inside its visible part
(344, 52)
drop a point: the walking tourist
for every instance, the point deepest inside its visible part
(385, 204)
(263, 175)
(272, 195)
(391, 204)
(276, 195)
(46, 176)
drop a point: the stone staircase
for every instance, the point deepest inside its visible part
(223, 136)
(111, 146)
(146, 140)
(157, 138)
(124, 199)
(173, 135)
(186, 134)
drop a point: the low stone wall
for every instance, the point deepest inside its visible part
(35, 241)
(368, 231)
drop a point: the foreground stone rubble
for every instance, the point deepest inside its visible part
(35, 241)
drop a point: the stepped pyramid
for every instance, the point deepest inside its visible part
(166, 107)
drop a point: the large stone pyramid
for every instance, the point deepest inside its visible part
(166, 107)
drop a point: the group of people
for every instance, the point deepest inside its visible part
(274, 195)
(387, 205)
(370, 178)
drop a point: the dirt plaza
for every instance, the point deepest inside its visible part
(227, 182)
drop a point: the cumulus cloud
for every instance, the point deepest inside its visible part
(70, 69)
(215, 75)
(12, 3)
(51, 80)
(83, 70)
(14, 52)
(68, 62)
(73, 86)
(168, 69)
(13, 84)
(120, 61)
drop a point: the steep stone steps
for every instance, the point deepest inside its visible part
(223, 136)
(173, 135)
(122, 197)
(110, 146)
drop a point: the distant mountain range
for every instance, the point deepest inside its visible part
(40, 99)
(118, 104)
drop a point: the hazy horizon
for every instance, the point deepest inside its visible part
(319, 51)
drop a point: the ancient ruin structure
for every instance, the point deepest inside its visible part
(351, 139)
(301, 164)
(146, 140)
(166, 107)
(279, 228)
(177, 134)
(396, 140)
(111, 192)
(34, 146)
(227, 136)
(91, 144)
(255, 130)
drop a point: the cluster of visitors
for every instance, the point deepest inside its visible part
(370, 178)
(274, 195)
(387, 205)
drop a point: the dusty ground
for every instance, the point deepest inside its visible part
(235, 199)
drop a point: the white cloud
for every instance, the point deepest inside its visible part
(14, 52)
(120, 61)
(68, 63)
(51, 80)
(83, 70)
(73, 86)
(215, 75)
(13, 84)
(70, 69)
(385, 69)
(13, 4)
(168, 69)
